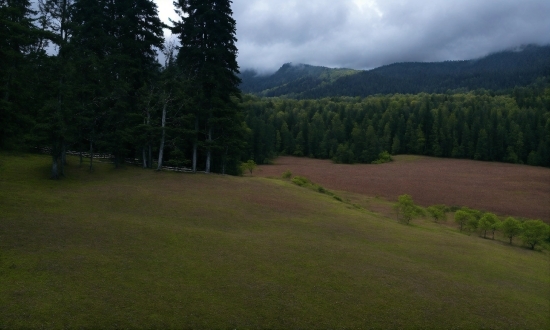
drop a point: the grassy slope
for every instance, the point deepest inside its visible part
(135, 248)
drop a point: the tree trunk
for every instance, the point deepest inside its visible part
(149, 162)
(195, 145)
(224, 160)
(150, 157)
(55, 171)
(143, 157)
(208, 152)
(63, 157)
(91, 155)
(161, 150)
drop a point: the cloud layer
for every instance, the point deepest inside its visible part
(364, 34)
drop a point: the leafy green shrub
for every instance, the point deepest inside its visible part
(489, 222)
(406, 209)
(305, 182)
(300, 181)
(462, 217)
(287, 174)
(437, 212)
(453, 208)
(384, 157)
(510, 228)
(534, 232)
(250, 165)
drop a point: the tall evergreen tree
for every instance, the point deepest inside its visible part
(208, 56)
(18, 35)
(114, 46)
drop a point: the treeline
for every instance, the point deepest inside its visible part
(84, 75)
(531, 232)
(478, 125)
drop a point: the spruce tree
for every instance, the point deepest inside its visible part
(114, 46)
(18, 35)
(208, 57)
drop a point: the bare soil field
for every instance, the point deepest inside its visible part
(506, 189)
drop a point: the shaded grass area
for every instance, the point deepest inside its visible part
(141, 249)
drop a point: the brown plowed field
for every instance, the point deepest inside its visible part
(506, 189)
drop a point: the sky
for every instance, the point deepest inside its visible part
(365, 34)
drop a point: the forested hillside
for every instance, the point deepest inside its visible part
(104, 90)
(291, 79)
(479, 125)
(500, 71)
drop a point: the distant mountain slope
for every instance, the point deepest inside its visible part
(291, 79)
(502, 70)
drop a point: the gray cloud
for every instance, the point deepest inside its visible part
(364, 34)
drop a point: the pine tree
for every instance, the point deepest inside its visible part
(18, 35)
(114, 47)
(208, 56)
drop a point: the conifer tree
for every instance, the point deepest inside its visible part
(208, 56)
(114, 46)
(18, 35)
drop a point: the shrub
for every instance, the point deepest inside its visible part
(300, 181)
(384, 157)
(407, 209)
(534, 232)
(250, 165)
(511, 228)
(287, 174)
(462, 217)
(489, 222)
(437, 212)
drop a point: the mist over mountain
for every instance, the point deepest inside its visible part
(498, 71)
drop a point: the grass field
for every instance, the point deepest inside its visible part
(131, 248)
(505, 189)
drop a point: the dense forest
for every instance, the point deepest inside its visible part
(103, 91)
(83, 75)
(499, 71)
(482, 125)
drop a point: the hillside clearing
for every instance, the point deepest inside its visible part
(506, 189)
(131, 248)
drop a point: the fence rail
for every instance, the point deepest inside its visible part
(111, 157)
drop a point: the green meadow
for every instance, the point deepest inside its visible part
(134, 248)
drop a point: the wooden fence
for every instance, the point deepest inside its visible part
(110, 157)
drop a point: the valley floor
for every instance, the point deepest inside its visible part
(506, 189)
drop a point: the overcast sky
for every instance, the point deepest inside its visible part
(364, 34)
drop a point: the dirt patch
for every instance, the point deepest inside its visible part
(506, 189)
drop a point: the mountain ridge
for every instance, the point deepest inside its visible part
(497, 71)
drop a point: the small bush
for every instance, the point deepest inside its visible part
(300, 181)
(321, 189)
(384, 157)
(437, 212)
(337, 198)
(453, 208)
(250, 165)
(287, 174)
(407, 210)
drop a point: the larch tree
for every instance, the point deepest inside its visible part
(208, 56)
